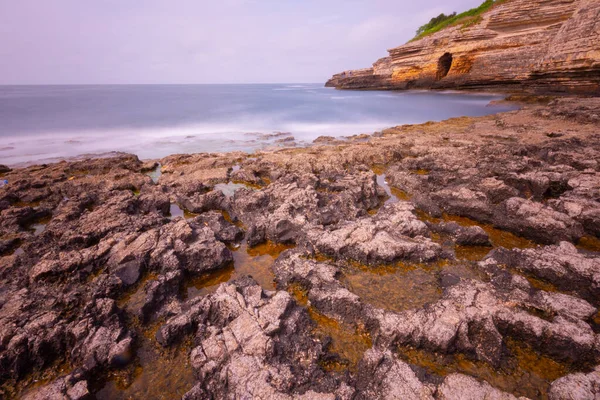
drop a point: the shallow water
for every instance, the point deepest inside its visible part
(157, 373)
(394, 288)
(40, 225)
(49, 123)
(230, 188)
(155, 173)
(255, 261)
(498, 237)
(347, 343)
(176, 211)
(523, 373)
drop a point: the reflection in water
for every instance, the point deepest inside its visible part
(394, 195)
(383, 183)
(209, 282)
(134, 298)
(176, 211)
(40, 226)
(403, 286)
(230, 188)
(155, 173)
(498, 237)
(28, 384)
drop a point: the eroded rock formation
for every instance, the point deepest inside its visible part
(536, 45)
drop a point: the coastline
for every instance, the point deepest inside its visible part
(104, 285)
(245, 118)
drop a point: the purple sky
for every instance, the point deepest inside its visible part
(197, 41)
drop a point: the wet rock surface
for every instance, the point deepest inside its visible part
(432, 261)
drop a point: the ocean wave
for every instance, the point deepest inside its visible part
(204, 118)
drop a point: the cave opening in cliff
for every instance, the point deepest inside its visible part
(444, 65)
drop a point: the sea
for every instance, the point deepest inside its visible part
(43, 124)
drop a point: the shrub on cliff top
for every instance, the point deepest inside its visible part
(466, 18)
(433, 22)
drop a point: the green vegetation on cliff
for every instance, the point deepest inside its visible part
(466, 19)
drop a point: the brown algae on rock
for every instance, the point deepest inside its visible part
(35, 380)
(394, 288)
(156, 373)
(589, 243)
(498, 237)
(404, 286)
(524, 372)
(348, 344)
(254, 261)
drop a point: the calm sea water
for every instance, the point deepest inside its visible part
(49, 123)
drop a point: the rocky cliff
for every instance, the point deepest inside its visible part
(537, 45)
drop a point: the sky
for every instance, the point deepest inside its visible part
(199, 41)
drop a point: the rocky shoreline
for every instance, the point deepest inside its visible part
(447, 260)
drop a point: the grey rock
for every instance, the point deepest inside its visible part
(381, 375)
(561, 265)
(462, 387)
(578, 386)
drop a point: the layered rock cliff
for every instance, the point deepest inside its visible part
(537, 45)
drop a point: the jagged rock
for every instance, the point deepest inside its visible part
(535, 221)
(324, 139)
(199, 203)
(104, 338)
(383, 376)
(181, 245)
(158, 292)
(583, 210)
(466, 236)
(223, 230)
(472, 317)
(561, 265)
(61, 389)
(79, 391)
(393, 234)
(248, 333)
(577, 386)
(282, 209)
(464, 202)
(462, 387)
(496, 190)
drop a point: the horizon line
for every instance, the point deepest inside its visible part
(156, 84)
